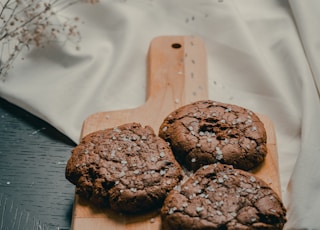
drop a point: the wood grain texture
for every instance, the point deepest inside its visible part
(33, 188)
(176, 76)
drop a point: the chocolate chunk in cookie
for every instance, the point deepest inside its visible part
(217, 196)
(207, 132)
(128, 168)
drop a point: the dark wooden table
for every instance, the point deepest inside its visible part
(33, 187)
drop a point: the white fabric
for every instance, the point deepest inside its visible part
(263, 55)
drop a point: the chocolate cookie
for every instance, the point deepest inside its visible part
(127, 167)
(208, 132)
(217, 196)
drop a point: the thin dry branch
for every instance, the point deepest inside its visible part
(27, 23)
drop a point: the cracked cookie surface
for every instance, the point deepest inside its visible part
(128, 168)
(207, 132)
(217, 196)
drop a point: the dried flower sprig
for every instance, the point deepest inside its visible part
(26, 23)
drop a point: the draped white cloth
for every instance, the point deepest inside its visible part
(262, 54)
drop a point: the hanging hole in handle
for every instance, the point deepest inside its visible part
(176, 45)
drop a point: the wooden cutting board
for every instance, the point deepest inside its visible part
(177, 75)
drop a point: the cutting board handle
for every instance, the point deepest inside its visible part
(176, 75)
(177, 68)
